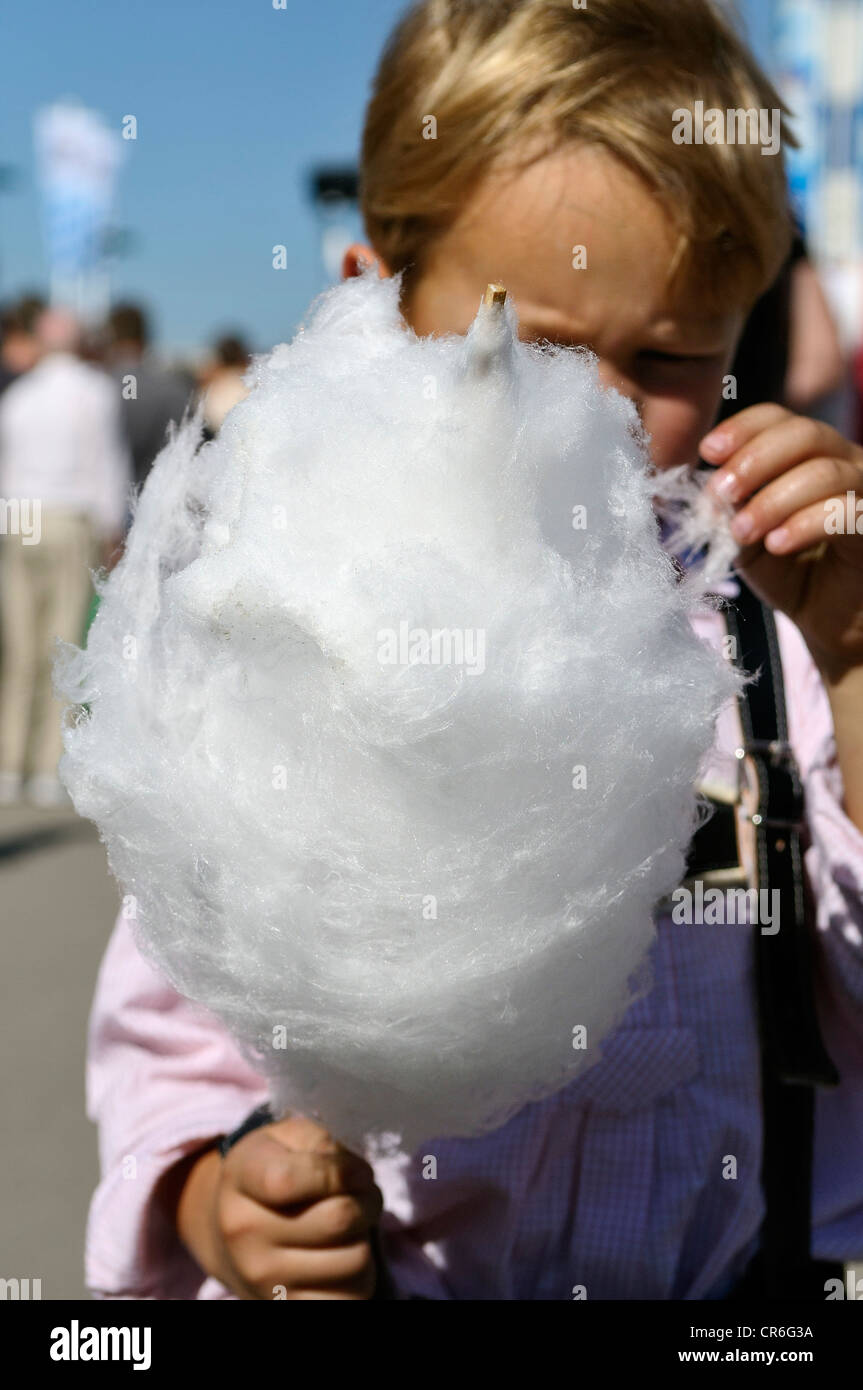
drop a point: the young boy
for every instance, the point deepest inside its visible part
(532, 143)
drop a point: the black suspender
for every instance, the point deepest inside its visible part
(793, 1056)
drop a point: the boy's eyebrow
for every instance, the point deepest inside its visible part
(714, 330)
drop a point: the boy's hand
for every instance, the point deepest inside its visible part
(287, 1213)
(781, 471)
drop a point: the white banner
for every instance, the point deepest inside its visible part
(78, 156)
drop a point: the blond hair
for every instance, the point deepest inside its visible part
(506, 80)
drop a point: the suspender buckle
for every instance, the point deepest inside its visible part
(776, 751)
(770, 790)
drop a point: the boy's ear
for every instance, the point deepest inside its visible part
(358, 256)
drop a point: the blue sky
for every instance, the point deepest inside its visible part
(234, 102)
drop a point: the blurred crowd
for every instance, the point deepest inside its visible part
(84, 411)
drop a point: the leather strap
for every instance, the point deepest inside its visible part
(793, 1057)
(263, 1115)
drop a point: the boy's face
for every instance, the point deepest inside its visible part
(525, 230)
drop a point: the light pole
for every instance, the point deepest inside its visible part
(334, 191)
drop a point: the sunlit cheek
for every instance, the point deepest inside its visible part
(673, 422)
(440, 302)
(678, 419)
(611, 377)
(676, 427)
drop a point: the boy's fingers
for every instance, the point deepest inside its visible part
(335, 1221)
(771, 453)
(348, 1271)
(801, 531)
(349, 1266)
(263, 1169)
(304, 1135)
(733, 433)
(331, 1222)
(815, 481)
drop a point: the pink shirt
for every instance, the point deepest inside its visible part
(618, 1183)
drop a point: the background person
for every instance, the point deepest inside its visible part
(19, 350)
(151, 396)
(222, 381)
(61, 450)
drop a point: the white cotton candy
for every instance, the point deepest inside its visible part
(698, 525)
(404, 869)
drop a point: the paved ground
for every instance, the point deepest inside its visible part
(57, 906)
